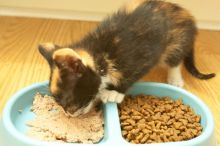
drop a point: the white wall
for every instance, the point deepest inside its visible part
(206, 12)
(102, 6)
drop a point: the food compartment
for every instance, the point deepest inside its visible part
(149, 119)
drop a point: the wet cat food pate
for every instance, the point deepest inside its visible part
(53, 124)
(149, 119)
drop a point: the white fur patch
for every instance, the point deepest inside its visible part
(110, 96)
(104, 81)
(175, 76)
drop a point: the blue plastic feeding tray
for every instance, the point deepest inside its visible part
(13, 125)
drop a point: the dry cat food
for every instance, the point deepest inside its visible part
(53, 124)
(149, 119)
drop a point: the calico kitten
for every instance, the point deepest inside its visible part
(121, 50)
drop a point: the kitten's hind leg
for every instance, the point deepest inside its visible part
(172, 59)
(174, 76)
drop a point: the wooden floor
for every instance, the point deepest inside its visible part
(22, 65)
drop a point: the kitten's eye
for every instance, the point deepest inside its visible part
(62, 64)
(102, 71)
(113, 69)
(79, 75)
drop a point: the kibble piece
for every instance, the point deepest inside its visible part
(177, 132)
(130, 121)
(144, 139)
(158, 125)
(194, 132)
(142, 121)
(132, 141)
(184, 121)
(171, 121)
(146, 131)
(124, 133)
(135, 131)
(130, 136)
(124, 113)
(177, 125)
(152, 124)
(124, 117)
(183, 128)
(124, 124)
(165, 118)
(148, 126)
(127, 128)
(141, 126)
(136, 113)
(136, 117)
(178, 102)
(150, 111)
(199, 128)
(136, 141)
(140, 136)
(198, 118)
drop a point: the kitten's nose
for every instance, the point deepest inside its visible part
(59, 100)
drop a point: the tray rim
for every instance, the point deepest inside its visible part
(13, 131)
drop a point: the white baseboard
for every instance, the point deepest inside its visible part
(76, 15)
(209, 25)
(48, 13)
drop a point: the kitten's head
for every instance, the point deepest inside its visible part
(73, 79)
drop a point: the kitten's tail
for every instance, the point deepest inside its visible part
(190, 66)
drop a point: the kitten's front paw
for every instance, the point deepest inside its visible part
(111, 96)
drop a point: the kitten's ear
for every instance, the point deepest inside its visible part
(68, 59)
(46, 50)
